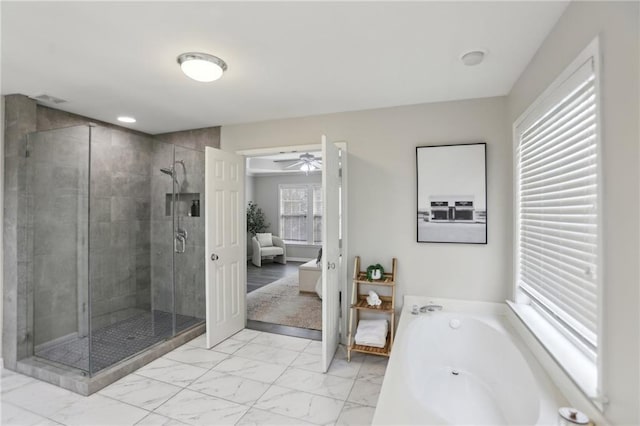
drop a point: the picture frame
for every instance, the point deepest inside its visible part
(451, 193)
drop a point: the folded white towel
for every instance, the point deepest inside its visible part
(371, 341)
(373, 299)
(372, 333)
(373, 324)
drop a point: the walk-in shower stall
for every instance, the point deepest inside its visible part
(116, 244)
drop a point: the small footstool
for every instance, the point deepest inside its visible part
(308, 274)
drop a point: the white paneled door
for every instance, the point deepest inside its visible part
(330, 251)
(225, 244)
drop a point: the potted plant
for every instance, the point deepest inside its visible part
(256, 222)
(375, 272)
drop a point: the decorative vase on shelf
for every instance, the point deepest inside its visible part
(375, 272)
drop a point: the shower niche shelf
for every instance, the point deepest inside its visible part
(184, 204)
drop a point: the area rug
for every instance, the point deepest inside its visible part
(280, 303)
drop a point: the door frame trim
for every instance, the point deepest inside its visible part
(257, 152)
(344, 246)
(344, 266)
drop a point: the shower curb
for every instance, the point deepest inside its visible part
(76, 380)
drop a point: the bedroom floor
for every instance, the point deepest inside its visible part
(260, 277)
(250, 378)
(270, 272)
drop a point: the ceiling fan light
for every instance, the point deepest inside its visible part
(202, 66)
(306, 167)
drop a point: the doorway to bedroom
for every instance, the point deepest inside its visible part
(284, 238)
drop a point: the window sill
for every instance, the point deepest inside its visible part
(301, 244)
(582, 371)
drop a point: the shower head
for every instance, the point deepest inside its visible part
(167, 171)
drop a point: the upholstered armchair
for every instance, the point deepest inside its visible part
(267, 245)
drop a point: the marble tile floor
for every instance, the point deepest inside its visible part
(252, 378)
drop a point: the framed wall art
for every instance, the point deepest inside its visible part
(452, 193)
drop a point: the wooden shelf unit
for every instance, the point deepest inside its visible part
(359, 304)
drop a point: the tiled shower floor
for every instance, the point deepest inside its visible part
(115, 342)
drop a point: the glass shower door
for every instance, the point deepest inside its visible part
(116, 253)
(120, 249)
(189, 255)
(58, 235)
(162, 244)
(177, 237)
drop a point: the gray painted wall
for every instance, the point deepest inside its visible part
(381, 173)
(266, 196)
(249, 188)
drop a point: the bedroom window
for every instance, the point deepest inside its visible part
(558, 233)
(301, 213)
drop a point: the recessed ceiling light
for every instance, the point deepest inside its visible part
(202, 66)
(473, 57)
(125, 119)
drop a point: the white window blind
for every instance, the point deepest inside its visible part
(558, 207)
(301, 213)
(317, 214)
(293, 213)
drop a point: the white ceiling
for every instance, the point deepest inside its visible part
(285, 59)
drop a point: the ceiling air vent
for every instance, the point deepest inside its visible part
(49, 99)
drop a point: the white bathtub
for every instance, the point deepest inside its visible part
(463, 365)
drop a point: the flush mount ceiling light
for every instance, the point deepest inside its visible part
(202, 66)
(473, 57)
(125, 119)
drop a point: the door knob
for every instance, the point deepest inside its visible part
(214, 257)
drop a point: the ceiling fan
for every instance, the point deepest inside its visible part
(307, 163)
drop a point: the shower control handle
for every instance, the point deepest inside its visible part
(180, 244)
(182, 233)
(180, 241)
(214, 257)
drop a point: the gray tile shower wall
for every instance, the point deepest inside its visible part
(20, 119)
(189, 266)
(57, 189)
(130, 236)
(120, 226)
(161, 228)
(196, 139)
